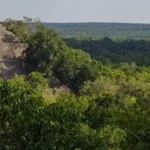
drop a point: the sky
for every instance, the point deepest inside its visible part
(129, 11)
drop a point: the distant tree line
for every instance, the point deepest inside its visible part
(115, 31)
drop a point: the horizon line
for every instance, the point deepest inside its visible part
(98, 22)
(114, 22)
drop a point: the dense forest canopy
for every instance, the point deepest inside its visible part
(108, 107)
(108, 42)
(108, 51)
(115, 31)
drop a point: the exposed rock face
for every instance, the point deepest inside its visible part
(12, 59)
(11, 54)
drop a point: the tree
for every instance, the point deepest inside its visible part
(76, 67)
(23, 29)
(45, 50)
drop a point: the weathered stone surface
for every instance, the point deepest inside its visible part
(12, 54)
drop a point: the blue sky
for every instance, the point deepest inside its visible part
(132, 11)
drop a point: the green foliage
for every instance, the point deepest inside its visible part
(23, 29)
(98, 30)
(26, 122)
(76, 67)
(37, 81)
(48, 54)
(109, 109)
(109, 51)
(111, 136)
(20, 120)
(103, 85)
(46, 49)
(109, 114)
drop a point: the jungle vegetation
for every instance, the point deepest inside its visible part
(108, 107)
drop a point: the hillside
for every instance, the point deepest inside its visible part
(107, 107)
(12, 59)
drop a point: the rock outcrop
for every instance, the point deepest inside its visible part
(11, 54)
(12, 59)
